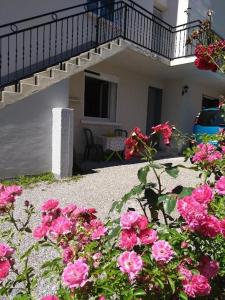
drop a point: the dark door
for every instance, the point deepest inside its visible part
(154, 108)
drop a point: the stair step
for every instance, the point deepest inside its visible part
(9, 97)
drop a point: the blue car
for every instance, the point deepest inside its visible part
(209, 121)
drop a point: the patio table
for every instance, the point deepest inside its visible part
(114, 144)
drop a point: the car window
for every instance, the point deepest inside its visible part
(212, 118)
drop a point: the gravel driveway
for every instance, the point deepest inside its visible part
(98, 189)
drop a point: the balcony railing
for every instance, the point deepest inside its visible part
(34, 44)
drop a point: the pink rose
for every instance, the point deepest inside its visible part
(201, 285)
(210, 227)
(75, 275)
(148, 236)
(208, 268)
(142, 222)
(40, 231)
(220, 186)
(128, 239)
(96, 258)
(129, 219)
(101, 297)
(202, 194)
(99, 230)
(68, 209)
(15, 190)
(6, 251)
(162, 252)
(67, 254)
(61, 226)
(50, 297)
(49, 204)
(222, 226)
(130, 263)
(4, 269)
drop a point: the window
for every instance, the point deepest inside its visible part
(100, 98)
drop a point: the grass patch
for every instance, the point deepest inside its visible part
(29, 181)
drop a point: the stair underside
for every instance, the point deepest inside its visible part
(42, 80)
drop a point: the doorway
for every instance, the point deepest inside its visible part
(154, 108)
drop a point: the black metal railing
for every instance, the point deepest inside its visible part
(31, 45)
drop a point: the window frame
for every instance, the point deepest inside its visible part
(111, 79)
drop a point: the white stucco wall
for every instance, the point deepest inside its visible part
(131, 103)
(26, 132)
(181, 110)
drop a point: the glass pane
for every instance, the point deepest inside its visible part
(211, 118)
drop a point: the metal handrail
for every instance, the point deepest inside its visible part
(29, 50)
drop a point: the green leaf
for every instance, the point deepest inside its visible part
(21, 297)
(155, 166)
(169, 205)
(172, 171)
(172, 285)
(139, 292)
(186, 191)
(142, 174)
(183, 296)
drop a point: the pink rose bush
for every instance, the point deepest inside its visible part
(143, 254)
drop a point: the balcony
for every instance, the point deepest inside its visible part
(34, 44)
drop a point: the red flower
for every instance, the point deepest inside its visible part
(134, 144)
(166, 130)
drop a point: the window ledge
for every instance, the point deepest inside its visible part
(100, 123)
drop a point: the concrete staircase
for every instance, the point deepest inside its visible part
(52, 75)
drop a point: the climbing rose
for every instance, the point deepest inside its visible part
(166, 130)
(208, 268)
(162, 252)
(75, 275)
(197, 286)
(128, 239)
(15, 190)
(148, 236)
(130, 263)
(129, 219)
(67, 254)
(210, 227)
(220, 186)
(4, 269)
(101, 297)
(49, 204)
(99, 230)
(50, 297)
(222, 227)
(142, 222)
(202, 194)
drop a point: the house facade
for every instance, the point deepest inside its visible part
(69, 65)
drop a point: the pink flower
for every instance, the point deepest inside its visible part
(6, 251)
(96, 258)
(206, 152)
(208, 268)
(15, 190)
(130, 263)
(40, 231)
(210, 227)
(75, 275)
(166, 130)
(185, 273)
(202, 194)
(162, 252)
(222, 226)
(6, 198)
(49, 204)
(4, 269)
(142, 222)
(50, 297)
(99, 230)
(192, 211)
(61, 226)
(129, 219)
(220, 186)
(148, 236)
(67, 254)
(197, 286)
(101, 297)
(68, 209)
(128, 239)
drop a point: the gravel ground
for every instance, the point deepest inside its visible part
(98, 189)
